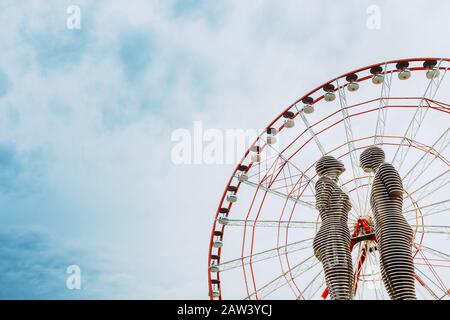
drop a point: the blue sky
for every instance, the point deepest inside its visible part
(86, 117)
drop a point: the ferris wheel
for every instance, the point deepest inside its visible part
(263, 230)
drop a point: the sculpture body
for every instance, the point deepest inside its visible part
(394, 234)
(332, 242)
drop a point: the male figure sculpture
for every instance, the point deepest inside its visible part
(332, 242)
(394, 234)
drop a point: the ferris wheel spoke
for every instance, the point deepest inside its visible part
(299, 175)
(313, 288)
(440, 284)
(380, 282)
(302, 268)
(273, 223)
(434, 264)
(423, 283)
(258, 164)
(358, 264)
(297, 224)
(427, 159)
(316, 278)
(429, 209)
(374, 281)
(287, 186)
(286, 164)
(291, 279)
(432, 251)
(351, 147)
(432, 229)
(445, 295)
(377, 283)
(291, 182)
(367, 207)
(364, 271)
(322, 151)
(265, 171)
(287, 181)
(282, 280)
(312, 133)
(385, 93)
(431, 266)
(440, 103)
(270, 173)
(430, 187)
(264, 255)
(290, 162)
(432, 213)
(300, 189)
(320, 286)
(270, 165)
(369, 270)
(290, 197)
(418, 117)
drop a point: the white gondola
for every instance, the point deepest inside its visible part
(404, 74)
(329, 92)
(214, 268)
(232, 198)
(353, 86)
(329, 96)
(289, 119)
(243, 177)
(216, 293)
(224, 220)
(218, 244)
(256, 157)
(309, 108)
(378, 79)
(433, 73)
(272, 131)
(289, 123)
(271, 139)
(308, 105)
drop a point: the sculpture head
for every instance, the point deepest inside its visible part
(329, 166)
(371, 158)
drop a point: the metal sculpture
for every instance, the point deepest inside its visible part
(332, 242)
(394, 234)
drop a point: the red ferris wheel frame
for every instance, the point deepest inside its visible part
(214, 282)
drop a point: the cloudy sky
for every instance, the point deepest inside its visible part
(86, 117)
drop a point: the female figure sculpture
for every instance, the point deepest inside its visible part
(394, 234)
(332, 242)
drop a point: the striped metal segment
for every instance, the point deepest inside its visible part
(393, 233)
(332, 241)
